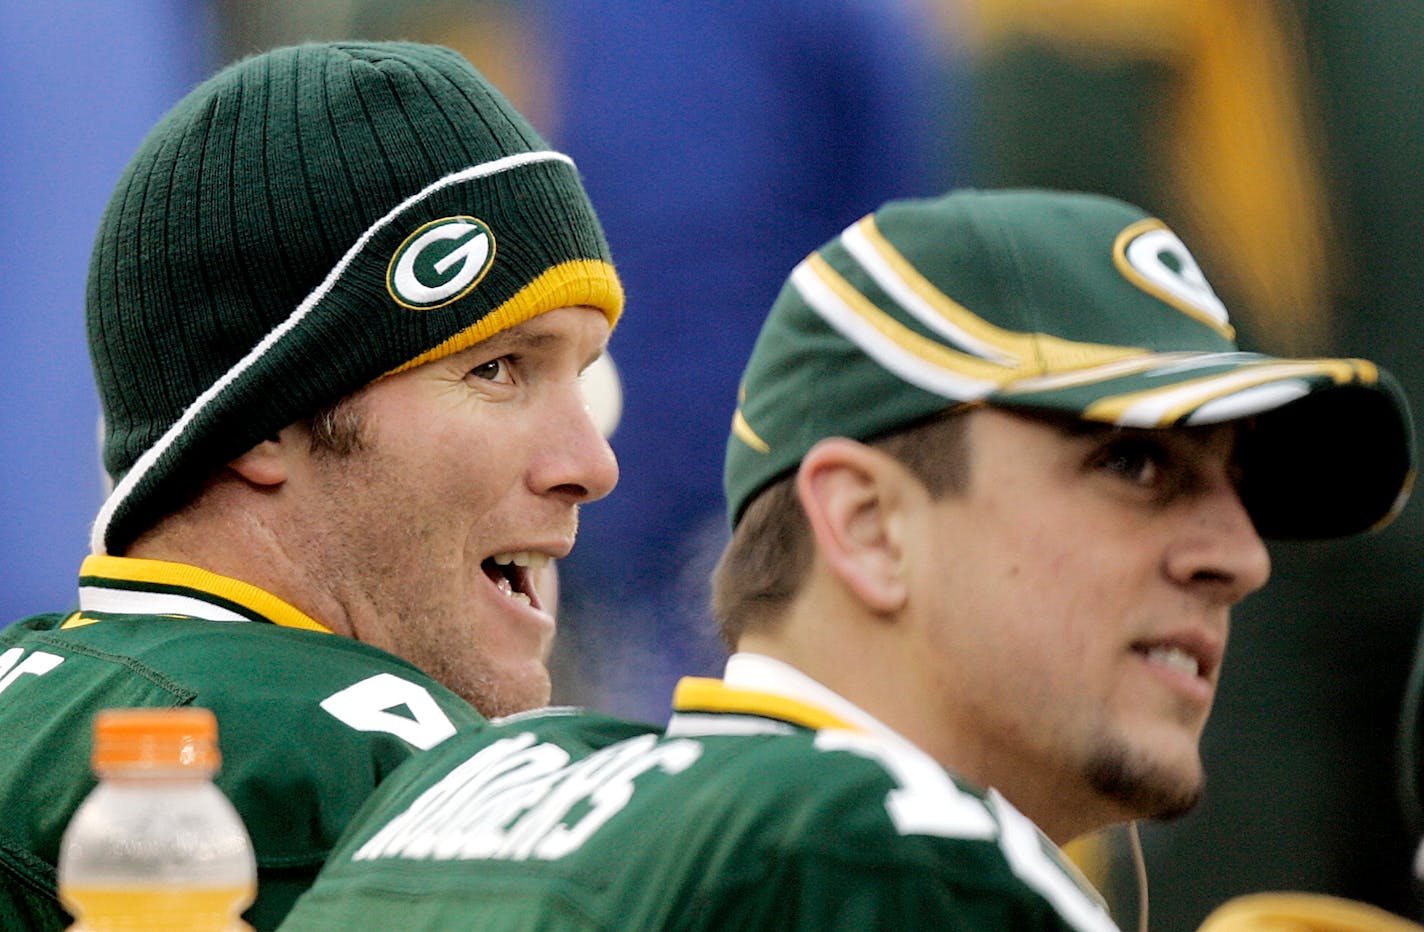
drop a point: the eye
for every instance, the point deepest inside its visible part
(495, 370)
(1135, 460)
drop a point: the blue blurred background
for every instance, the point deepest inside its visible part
(80, 84)
(721, 141)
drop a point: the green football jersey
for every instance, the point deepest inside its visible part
(752, 811)
(308, 722)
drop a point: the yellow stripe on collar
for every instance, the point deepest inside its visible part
(163, 573)
(703, 694)
(76, 620)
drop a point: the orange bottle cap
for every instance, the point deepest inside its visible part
(156, 738)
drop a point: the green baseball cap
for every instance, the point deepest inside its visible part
(1057, 302)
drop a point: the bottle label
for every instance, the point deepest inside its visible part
(159, 909)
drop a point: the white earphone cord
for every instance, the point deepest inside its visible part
(1139, 864)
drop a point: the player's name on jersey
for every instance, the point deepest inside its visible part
(520, 799)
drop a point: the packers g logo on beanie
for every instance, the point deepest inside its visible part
(440, 262)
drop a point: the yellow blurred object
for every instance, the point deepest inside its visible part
(1091, 855)
(1238, 134)
(1302, 912)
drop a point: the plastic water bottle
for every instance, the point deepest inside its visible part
(156, 845)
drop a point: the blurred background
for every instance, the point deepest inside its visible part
(721, 141)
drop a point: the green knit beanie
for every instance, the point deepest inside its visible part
(1056, 302)
(301, 224)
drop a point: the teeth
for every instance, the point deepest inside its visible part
(529, 558)
(1175, 658)
(525, 558)
(503, 585)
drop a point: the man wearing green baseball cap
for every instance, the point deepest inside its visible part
(997, 475)
(339, 306)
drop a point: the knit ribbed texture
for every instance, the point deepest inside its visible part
(245, 270)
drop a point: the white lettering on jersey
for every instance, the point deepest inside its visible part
(1023, 846)
(12, 667)
(512, 800)
(927, 802)
(366, 706)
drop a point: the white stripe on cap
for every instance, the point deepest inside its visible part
(1251, 401)
(858, 243)
(822, 299)
(1165, 406)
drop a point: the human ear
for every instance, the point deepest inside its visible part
(853, 504)
(266, 463)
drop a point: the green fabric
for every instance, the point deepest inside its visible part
(576, 821)
(1073, 303)
(274, 203)
(295, 772)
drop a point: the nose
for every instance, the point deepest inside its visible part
(1218, 551)
(576, 463)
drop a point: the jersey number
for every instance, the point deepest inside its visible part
(37, 663)
(387, 703)
(927, 802)
(383, 702)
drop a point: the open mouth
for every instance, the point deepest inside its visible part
(1183, 656)
(1173, 658)
(513, 574)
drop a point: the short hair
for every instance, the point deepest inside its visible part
(338, 428)
(765, 563)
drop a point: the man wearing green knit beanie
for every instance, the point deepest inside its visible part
(339, 308)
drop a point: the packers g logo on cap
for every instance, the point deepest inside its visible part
(440, 262)
(1155, 260)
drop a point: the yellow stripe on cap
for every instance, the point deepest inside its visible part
(889, 267)
(1038, 352)
(922, 348)
(577, 283)
(1115, 369)
(1024, 353)
(746, 435)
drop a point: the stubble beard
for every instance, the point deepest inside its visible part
(1145, 787)
(428, 639)
(433, 645)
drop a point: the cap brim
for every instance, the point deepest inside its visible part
(1334, 463)
(1329, 451)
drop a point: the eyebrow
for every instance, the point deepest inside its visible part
(516, 337)
(521, 336)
